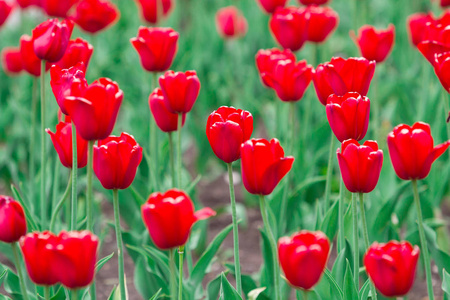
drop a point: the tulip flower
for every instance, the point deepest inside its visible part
(170, 216)
(375, 44)
(68, 82)
(56, 8)
(340, 76)
(30, 62)
(77, 51)
(360, 165)
(180, 90)
(313, 2)
(153, 10)
(51, 38)
(12, 220)
(26, 3)
(412, 150)
(289, 79)
(156, 47)
(392, 267)
(441, 68)
(116, 160)
(263, 165)
(289, 26)
(166, 120)
(417, 24)
(348, 116)
(322, 22)
(12, 60)
(62, 141)
(227, 128)
(267, 59)
(230, 22)
(5, 10)
(95, 15)
(95, 113)
(444, 3)
(269, 6)
(303, 257)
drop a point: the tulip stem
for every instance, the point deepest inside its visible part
(341, 232)
(46, 292)
(180, 274)
(75, 294)
(55, 184)
(179, 121)
(172, 163)
(237, 263)
(119, 244)
(355, 241)
(73, 217)
(273, 244)
(173, 274)
(61, 202)
(305, 294)
(33, 139)
(423, 242)
(43, 159)
(23, 288)
(447, 113)
(329, 171)
(89, 200)
(154, 143)
(366, 238)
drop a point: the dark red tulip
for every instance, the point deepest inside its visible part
(227, 128)
(269, 6)
(62, 141)
(30, 62)
(57, 8)
(77, 51)
(445, 3)
(303, 257)
(412, 150)
(289, 26)
(340, 76)
(169, 218)
(266, 60)
(13, 224)
(230, 22)
(417, 25)
(289, 79)
(392, 267)
(180, 90)
(95, 15)
(441, 68)
(116, 160)
(68, 82)
(322, 22)
(313, 2)
(38, 253)
(95, 113)
(375, 44)
(166, 120)
(156, 47)
(12, 60)
(154, 10)
(26, 3)
(51, 38)
(5, 9)
(348, 116)
(360, 165)
(263, 165)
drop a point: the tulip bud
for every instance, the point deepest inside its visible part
(322, 22)
(153, 11)
(12, 220)
(95, 15)
(289, 26)
(51, 38)
(56, 8)
(269, 6)
(166, 120)
(26, 3)
(230, 22)
(375, 44)
(417, 25)
(30, 62)
(180, 90)
(12, 60)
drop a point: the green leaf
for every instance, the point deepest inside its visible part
(3, 275)
(446, 282)
(333, 283)
(103, 261)
(147, 282)
(156, 296)
(227, 291)
(267, 270)
(12, 285)
(213, 288)
(60, 294)
(114, 295)
(330, 222)
(365, 290)
(161, 259)
(350, 292)
(29, 216)
(253, 294)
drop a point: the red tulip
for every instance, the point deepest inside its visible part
(412, 150)
(303, 257)
(38, 253)
(289, 26)
(116, 160)
(392, 267)
(95, 15)
(340, 76)
(445, 3)
(62, 141)
(417, 24)
(289, 79)
(63, 118)
(322, 21)
(348, 116)
(313, 2)
(56, 8)
(180, 90)
(95, 113)
(266, 60)
(12, 60)
(68, 82)
(13, 224)
(30, 62)
(51, 38)
(156, 47)
(77, 51)
(375, 44)
(432, 49)
(441, 68)
(152, 11)
(269, 6)
(5, 10)
(169, 218)
(166, 120)
(360, 165)
(230, 22)
(227, 128)
(26, 3)
(263, 165)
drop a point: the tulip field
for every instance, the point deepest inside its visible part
(191, 149)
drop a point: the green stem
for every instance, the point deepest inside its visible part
(423, 242)
(74, 203)
(329, 171)
(153, 170)
(61, 203)
(46, 292)
(180, 274)
(179, 121)
(273, 245)
(43, 158)
(341, 232)
(119, 244)
(446, 112)
(237, 263)
(355, 241)
(55, 186)
(366, 237)
(89, 200)
(305, 294)
(172, 163)
(32, 150)
(74, 294)
(173, 274)
(23, 287)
